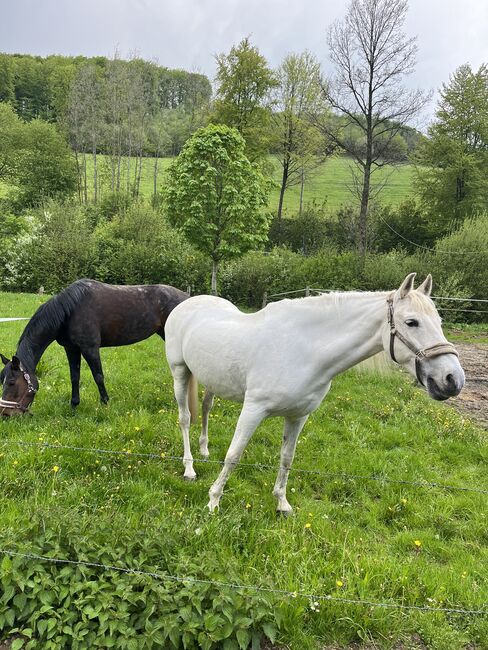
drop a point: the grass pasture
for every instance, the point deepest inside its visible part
(329, 183)
(349, 538)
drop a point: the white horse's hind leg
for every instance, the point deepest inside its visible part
(249, 419)
(181, 376)
(207, 404)
(290, 436)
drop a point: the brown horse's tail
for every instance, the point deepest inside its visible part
(193, 399)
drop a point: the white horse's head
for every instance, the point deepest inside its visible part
(414, 339)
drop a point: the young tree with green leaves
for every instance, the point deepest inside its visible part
(244, 81)
(46, 167)
(299, 145)
(451, 176)
(11, 142)
(216, 196)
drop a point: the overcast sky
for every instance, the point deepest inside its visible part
(188, 33)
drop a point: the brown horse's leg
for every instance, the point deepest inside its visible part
(92, 357)
(74, 359)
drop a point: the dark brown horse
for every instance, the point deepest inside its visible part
(84, 317)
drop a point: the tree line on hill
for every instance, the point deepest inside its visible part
(80, 129)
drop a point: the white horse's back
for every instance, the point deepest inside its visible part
(209, 336)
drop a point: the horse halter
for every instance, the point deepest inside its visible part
(424, 353)
(31, 390)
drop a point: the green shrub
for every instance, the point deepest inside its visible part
(56, 248)
(78, 607)
(464, 254)
(137, 246)
(405, 226)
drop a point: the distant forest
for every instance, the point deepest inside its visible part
(39, 87)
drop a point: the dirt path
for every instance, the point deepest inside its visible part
(473, 400)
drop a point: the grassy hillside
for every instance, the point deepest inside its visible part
(349, 538)
(328, 184)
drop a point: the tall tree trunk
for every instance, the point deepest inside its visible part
(85, 183)
(95, 175)
(363, 213)
(112, 164)
(302, 187)
(284, 179)
(139, 174)
(78, 176)
(155, 178)
(215, 267)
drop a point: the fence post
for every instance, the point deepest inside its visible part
(188, 290)
(307, 291)
(265, 299)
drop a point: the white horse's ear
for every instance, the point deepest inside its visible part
(407, 285)
(426, 286)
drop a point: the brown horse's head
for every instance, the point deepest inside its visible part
(19, 387)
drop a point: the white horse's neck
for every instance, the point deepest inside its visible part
(351, 327)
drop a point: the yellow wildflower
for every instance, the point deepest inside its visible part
(418, 543)
(55, 469)
(308, 525)
(339, 583)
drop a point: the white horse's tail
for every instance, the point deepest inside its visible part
(378, 364)
(193, 399)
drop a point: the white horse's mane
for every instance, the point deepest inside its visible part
(420, 301)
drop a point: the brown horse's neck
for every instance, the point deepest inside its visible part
(30, 352)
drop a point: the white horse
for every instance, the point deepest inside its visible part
(280, 361)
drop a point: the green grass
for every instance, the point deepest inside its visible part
(467, 332)
(361, 533)
(328, 184)
(332, 179)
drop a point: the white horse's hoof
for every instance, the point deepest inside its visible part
(189, 476)
(213, 506)
(284, 513)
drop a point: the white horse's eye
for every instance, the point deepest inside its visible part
(412, 322)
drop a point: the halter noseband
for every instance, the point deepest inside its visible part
(424, 353)
(31, 389)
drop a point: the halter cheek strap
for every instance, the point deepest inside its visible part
(31, 390)
(420, 353)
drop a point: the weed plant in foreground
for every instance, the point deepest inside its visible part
(350, 538)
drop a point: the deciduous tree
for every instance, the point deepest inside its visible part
(451, 176)
(244, 81)
(299, 145)
(216, 196)
(371, 55)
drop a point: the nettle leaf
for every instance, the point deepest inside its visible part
(270, 631)
(243, 638)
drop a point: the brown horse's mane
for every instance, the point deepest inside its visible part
(50, 316)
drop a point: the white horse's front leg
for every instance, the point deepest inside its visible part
(207, 404)
(251, 416)
(181, 376)
(291, 432)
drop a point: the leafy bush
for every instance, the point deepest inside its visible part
(56, 606)
(245, 281)
(139, 247)
(56, 248)
(45, 167)
(405, 226)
